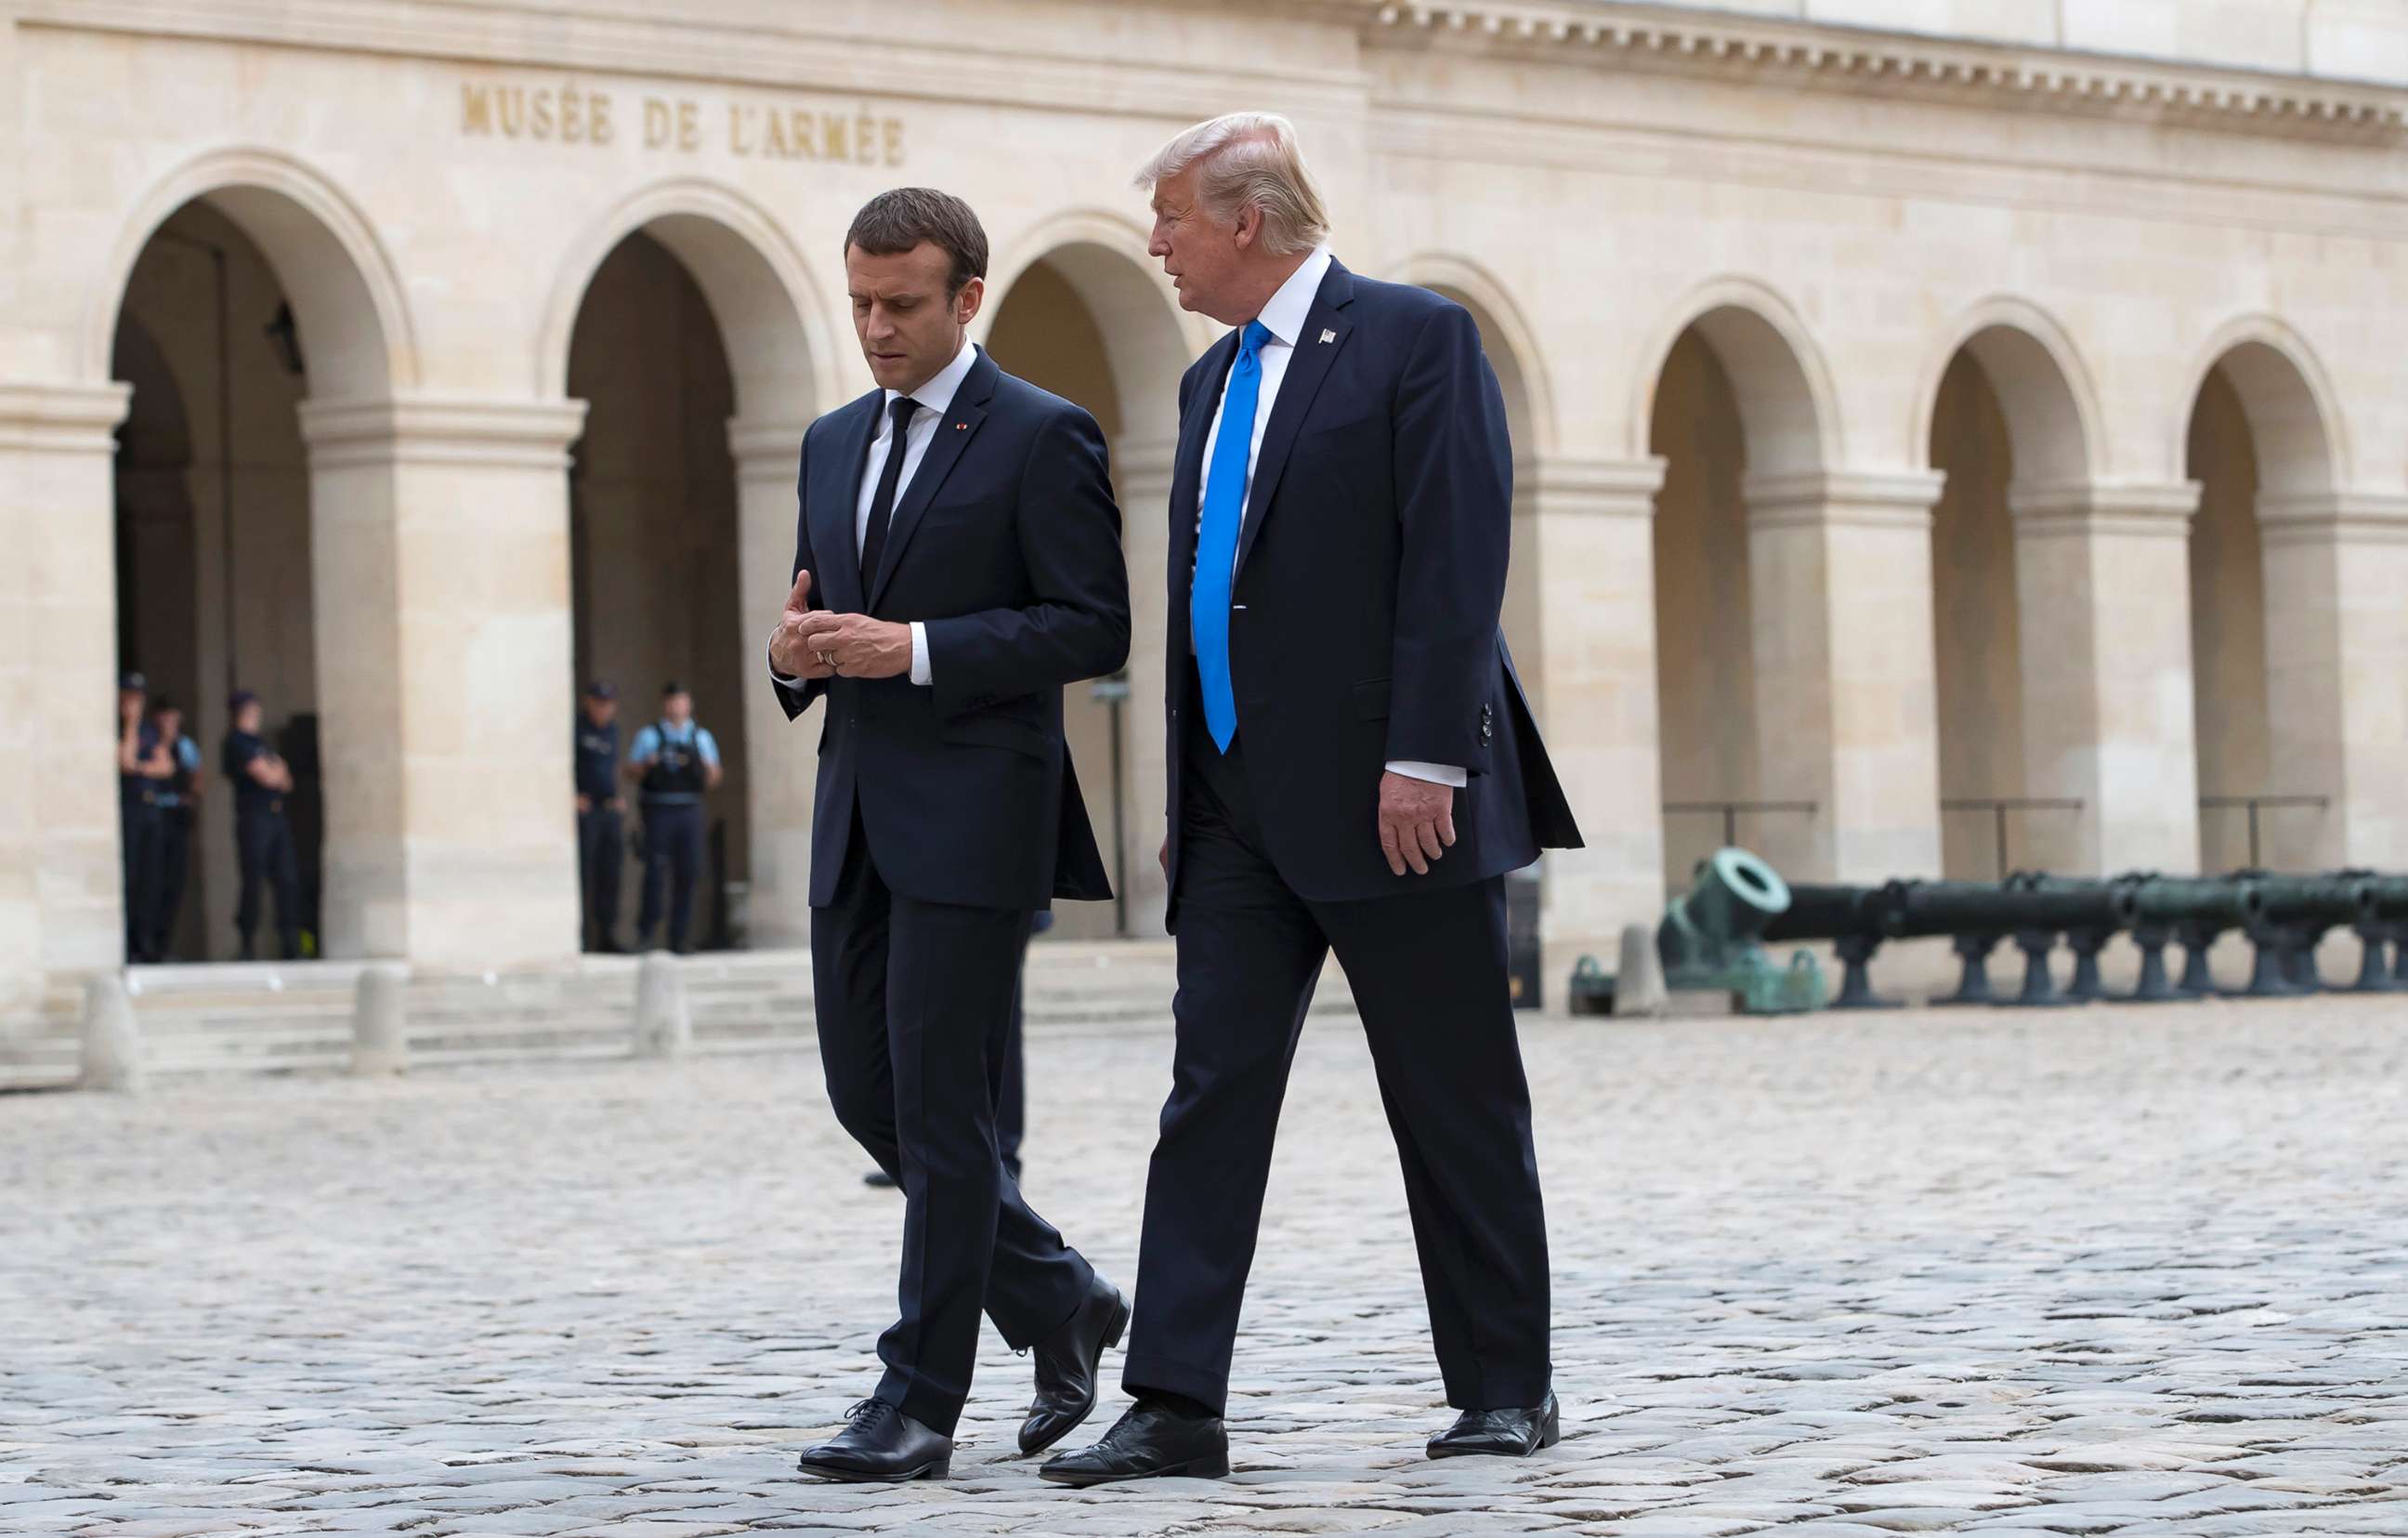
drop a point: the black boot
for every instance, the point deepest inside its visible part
(881, 1446)
(1067, 1365)
(1152, 1440)
(1501, 1433)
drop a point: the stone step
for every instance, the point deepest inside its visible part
(278, 1017)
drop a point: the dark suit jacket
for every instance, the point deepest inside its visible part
(1371, 575)
(1006, 545)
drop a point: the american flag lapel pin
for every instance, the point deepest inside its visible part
(1329, 336)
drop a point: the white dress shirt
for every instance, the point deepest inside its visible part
(1283, 316)
(936, 399)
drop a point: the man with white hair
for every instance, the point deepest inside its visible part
(1353, 766)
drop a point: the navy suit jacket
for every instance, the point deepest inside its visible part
(1006, 545)
(1363, 626)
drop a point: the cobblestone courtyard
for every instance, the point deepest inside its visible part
(2124, 1271)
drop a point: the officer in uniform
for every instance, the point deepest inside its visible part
(176, 800)
(142, 764)
(263, 843)
(675, 762)
(601, 813)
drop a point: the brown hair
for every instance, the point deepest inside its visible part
(894, 223)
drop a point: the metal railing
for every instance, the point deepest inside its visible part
(2224, 803)
(1729, 811)
(1998, 806)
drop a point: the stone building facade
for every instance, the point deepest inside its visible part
(1918, 404)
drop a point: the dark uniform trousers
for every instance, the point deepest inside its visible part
(914, 1004)
(672, 859)
(174, 863)
(601, 853)
(139, 834)
(1428, 974)
(263, 847)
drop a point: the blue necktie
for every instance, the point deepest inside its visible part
(1216, 541)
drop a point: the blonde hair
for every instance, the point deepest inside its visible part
(1249, 160)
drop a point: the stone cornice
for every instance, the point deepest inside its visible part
(1763, 49)
(1568, 483)
(2334, 518)
(2133, 508)
(46, 417)
(442, 430)
(1849, 499)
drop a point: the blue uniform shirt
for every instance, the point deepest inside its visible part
(677, 756)
(188, 763)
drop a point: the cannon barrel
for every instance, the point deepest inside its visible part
(1827, 911)
(2195, 901)
(2001, 908)
(2390, 898)
(2324, 900)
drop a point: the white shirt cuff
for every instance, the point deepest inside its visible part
(920, 653)
(1437, 774)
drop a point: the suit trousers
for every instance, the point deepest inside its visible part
(914, 1002)
(1428, 974)
(262, 845)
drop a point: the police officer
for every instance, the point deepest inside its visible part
(675, 762)
(143, 762)
(263, 844)
(176, 800)
(601, 849)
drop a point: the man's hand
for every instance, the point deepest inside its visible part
(1416, 822)
(788, 653)
(855, 645)
(584, 803)
(1162, 856)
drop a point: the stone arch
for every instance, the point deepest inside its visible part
(1787, 403)
(759, 287)
(347, 294)
(2295, 416)
(1148, 339)
(1521, 364)
(2044, 388)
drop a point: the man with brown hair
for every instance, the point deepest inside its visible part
(957, 562)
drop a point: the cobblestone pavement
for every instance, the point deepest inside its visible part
(2129, 1271)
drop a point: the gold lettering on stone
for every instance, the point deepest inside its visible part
(576, 114)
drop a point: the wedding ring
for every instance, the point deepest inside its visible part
(827, 659)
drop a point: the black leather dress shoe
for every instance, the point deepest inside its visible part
(1067, 1365)
(1501, 1433)
(1148, 1442)
(881, 1446)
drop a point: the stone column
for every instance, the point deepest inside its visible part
(2336, 566)
(1593, 680)
(783, 760)
(1846, 708)
(1141, 470)
(60, 907)
(2102, 602)
(440, 563)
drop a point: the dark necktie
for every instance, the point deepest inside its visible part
(881, 504)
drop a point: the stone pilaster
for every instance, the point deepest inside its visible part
(2336, 568)
(440, 557)
(1592, 682)
(785, 760)
(61, 906)
(2102, 596)
(1847, 713)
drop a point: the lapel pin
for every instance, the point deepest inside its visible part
(1329, 336)
(961, 426)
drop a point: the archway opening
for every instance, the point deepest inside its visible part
(1978, 668)
(1705, 665)
(655, 574)
(2258, 443)
(214, 576)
